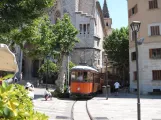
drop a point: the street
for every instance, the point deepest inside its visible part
(122, 107)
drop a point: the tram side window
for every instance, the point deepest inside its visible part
(90, 76)
(85, 76)
(73, 76)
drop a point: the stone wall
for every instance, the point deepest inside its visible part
(146, 65)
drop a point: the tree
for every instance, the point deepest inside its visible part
(66, 38)
(16, 13)
(38, 37)
(116, 47)
(49, 68)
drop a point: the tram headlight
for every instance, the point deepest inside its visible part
(78, 88)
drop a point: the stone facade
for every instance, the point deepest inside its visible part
(87, 17)
(149, 66)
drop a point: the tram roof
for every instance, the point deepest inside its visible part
(83, 68)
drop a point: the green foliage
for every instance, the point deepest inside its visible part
(14, 14)
(52, 68)
(16, 105)
(8, 76)
(65, 34)
(38, 37)
(58, 94)
(66, 37)
(116, 46)
(71, 64)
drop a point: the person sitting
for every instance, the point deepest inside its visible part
(47, 94)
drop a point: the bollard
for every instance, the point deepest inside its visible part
(108, 91)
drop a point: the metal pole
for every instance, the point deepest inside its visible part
(68, 73)
(138, 86)
(47, 74)
(106, 76)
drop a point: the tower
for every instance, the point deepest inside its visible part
(107, 19)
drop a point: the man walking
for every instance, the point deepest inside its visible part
(117, 85)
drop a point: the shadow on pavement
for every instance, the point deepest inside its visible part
(38, 97)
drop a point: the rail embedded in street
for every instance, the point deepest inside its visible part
(85, 112)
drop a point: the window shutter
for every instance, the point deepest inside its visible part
(158, 30)
(149, 4)
(155, 3)
(136, 8)
(150, 53)
(151, 30)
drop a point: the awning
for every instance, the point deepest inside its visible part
(7, 59)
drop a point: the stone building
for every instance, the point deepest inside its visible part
(93, 25)
(148, 12)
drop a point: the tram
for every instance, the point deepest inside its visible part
(85, 81)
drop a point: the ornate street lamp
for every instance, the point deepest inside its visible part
(47, 76)
(135, 26)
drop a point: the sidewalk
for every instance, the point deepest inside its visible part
(124, 107)
(55, 108)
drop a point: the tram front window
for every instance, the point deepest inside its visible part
(85, 76)
(80, 76)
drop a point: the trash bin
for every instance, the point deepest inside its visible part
(104, 90)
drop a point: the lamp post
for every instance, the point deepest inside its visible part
(47, 58)
(135, 26)
(106, 76)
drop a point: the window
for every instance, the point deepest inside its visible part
(155, 53)
(107, 24)
(155, 30)
(84, 28)
(153, 4)
(88, 28)
(135, 75)
(80, 28)
(133, 56)
(98, 62)
(156, 74)
(133, 10)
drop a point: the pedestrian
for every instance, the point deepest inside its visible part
(21, 76)
(30, 88)
(117, 85)
(15, 79)
(47, 94)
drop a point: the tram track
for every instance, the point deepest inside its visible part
(84, 111)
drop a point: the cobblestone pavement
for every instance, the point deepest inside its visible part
(124, 107)
(56, 109)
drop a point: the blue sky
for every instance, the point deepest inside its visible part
(118, 12)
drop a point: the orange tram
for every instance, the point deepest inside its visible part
(85, 81)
